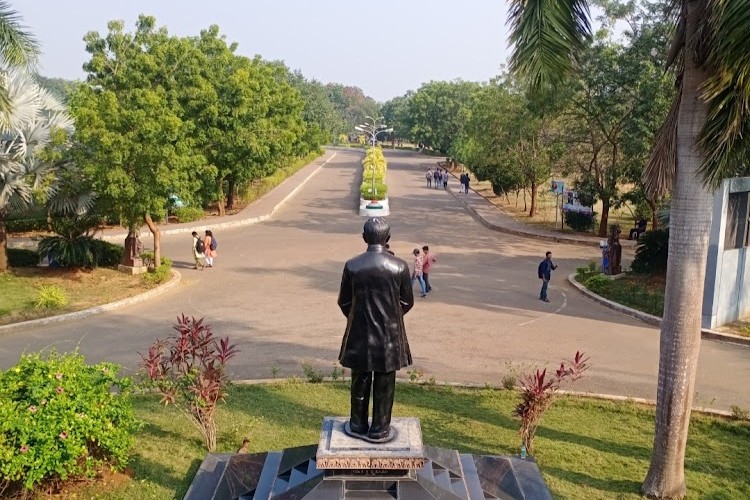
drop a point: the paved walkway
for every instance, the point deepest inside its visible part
(275, 283)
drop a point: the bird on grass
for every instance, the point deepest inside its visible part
(243, 448)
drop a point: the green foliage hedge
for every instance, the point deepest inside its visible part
(107, 254)
(20, 257)
(580, 222)
(26, 225)
(652, 252)
(159, 275)
(365, 191)
(61, 419)
(188, 214)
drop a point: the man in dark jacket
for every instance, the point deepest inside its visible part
(375, 294)
(545, 274)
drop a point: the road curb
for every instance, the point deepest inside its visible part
(92, 311)
(464, 385)
(219, 225)
(242, 222)
(516, 232)
(652, 320)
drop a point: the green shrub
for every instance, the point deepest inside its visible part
(107, 254)
(26, 225)
(50, 297)
(188, 214)
(161, 273)
(366, 191)
(19, 257)
(73, 252)
(61, 419)
(652, 252)
(579, 221)
(597, 283)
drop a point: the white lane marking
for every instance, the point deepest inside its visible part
(564, 304)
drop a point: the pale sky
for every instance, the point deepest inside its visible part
(386, 50)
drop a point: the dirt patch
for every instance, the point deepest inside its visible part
(741, 327)
(107, 480)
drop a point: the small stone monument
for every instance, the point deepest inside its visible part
(131, 255)
(614, 250)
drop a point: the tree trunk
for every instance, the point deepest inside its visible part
(230, 194)
(3, 245)
(516, 198)
(524, 200)
(690, 222)
(654, 216)
(220, 203)
(157, 239)
(532, 211)
(605, 218)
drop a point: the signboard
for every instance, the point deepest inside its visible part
(558, 187)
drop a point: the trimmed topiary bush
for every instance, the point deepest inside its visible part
(61, 419)
(579, 221)
(188, 214)
(107, 254)
(20, 257)
(366, 191)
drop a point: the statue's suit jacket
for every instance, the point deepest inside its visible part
(376, 292)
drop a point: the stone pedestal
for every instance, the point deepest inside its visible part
(338, 450)
(132, 269)
(342, 468)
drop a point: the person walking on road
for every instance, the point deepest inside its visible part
(445, 179)
(198, 252)
(428, 176)
(545, 274)
(436, 177)
(417, 274)
(427, 260)
(209, 243)
(467, 179)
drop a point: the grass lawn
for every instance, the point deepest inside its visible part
(84, 289)
(585, 448)
(545, 215)
(644, 293)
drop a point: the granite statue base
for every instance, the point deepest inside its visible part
(341, 467)
(132, 269)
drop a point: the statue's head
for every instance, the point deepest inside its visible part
(376, 231)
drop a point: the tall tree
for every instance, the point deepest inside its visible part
(438, 111)
(702, 140)
(130, 138)
(25, 134)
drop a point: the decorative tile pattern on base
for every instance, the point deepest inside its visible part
(338, 450)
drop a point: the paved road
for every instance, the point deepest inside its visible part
(274, 289)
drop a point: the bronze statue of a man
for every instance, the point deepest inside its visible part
(375, 294)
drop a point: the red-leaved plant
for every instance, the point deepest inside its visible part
(538, 391)
(188, 370)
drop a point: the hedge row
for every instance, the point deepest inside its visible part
(374, 167)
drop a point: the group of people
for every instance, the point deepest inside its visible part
(204, 250)
(464, 179)
(423, 262)
(437, 178)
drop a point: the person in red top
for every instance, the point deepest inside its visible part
(428, 260)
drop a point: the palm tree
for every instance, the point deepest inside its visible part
(705, 138)
(24, 133)
(18, 48)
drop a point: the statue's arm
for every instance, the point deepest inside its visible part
(406, 292)
(345, 293)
